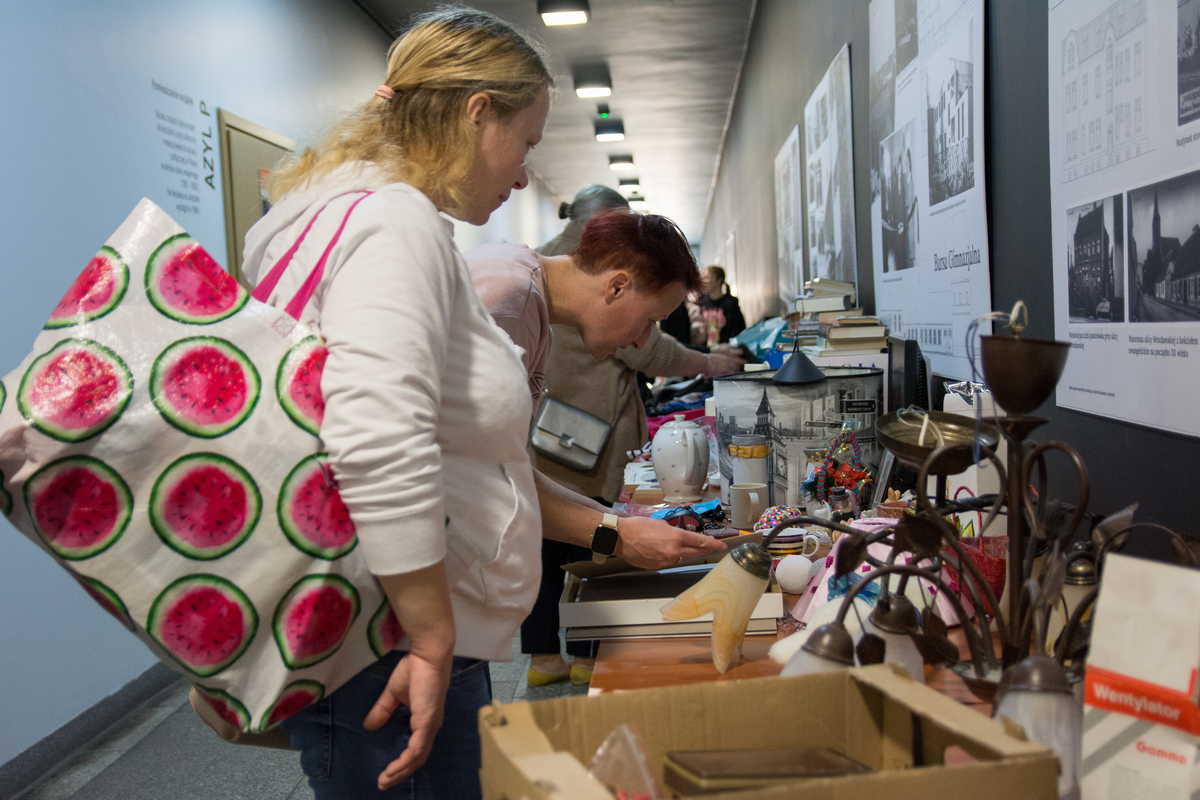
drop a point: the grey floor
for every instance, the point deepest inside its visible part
(164, 752)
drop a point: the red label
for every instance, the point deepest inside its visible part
(1112, 691)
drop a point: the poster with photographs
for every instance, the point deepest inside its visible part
(789, 220)
(1125, 207)
(928, 202)
(829, 175)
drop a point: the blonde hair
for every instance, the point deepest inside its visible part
(422, 135)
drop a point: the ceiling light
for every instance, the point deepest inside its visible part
(563, 12)
(621, 162)
(592, 80)
(602, 111)
(610, 130)
(629, 186)
(639, 205)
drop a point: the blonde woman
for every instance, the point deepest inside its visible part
(426, 406)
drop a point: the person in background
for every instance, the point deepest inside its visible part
(716, 298)
(606, 388)
(426, 410)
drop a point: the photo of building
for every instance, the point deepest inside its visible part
(950, 123)
(1106, 90)
(1164, 250)
(1096, 261)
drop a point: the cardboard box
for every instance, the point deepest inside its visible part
(1141, 694)
(629, 605)
(898, 727)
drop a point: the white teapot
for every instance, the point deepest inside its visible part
(680, 455)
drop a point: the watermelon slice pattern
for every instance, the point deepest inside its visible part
(186, 284)
(294, 698)
(384, 632)
(75, 390)
(109, 600)
(3, 395)
(313, 619)
(96, 291)
(204, 386)
(311, 511)
(298, 383)
(204, 506)
(79, 505)
(228, 707)
(204, 622)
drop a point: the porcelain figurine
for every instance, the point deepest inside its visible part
(680, 455)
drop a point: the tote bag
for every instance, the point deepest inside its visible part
(160, 443)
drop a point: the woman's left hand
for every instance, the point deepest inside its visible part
(651, 543)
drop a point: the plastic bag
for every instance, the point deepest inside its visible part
(620, 764)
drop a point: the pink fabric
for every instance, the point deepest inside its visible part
(816, 593)
(512, 286)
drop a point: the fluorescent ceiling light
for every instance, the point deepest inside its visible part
(592, 80)
(610, 130)
(622, 162)
(639, 205)
(563, 12)
(629, 186)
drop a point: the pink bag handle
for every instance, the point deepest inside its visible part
(267, 285)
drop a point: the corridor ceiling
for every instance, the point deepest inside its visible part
(674, 66)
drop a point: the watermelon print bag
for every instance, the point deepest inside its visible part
(159, 443)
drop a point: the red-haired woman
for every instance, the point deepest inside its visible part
(628, 272)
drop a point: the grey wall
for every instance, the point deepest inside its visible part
(791, 44)
(81, 145)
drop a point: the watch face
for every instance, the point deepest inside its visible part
(604, 541)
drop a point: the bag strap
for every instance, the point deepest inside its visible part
(267, 285)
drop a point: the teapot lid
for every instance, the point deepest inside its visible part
(680, 421)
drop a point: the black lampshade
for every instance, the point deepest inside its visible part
(797, 370)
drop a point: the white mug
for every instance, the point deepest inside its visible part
(747, 502)
(816, 544)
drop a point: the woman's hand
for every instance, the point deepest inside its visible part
(651, 543)
(421, 601)
(419, 682)
(722, 364)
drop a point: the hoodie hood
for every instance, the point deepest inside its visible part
(292, 207)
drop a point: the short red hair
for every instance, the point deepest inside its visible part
(649, 246)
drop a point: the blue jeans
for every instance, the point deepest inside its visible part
(343, 760)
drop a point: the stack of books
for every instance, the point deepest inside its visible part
(823, 294)
(854, 332)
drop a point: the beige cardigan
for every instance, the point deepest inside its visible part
(608, 389)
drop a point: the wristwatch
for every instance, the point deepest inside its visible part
(604, 538)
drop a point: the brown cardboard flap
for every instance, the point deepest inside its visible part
(519, 757)
(989, 737)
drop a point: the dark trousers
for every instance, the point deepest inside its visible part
(539, 631)
(343, 760)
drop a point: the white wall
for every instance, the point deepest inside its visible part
(80, 147)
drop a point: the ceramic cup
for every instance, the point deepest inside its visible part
(747, 502)
(817, 544)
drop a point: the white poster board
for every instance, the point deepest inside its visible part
(929, 204)
(1124, 105)
(789, 220)
(828, 139)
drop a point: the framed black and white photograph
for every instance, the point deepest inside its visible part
(901, 230)
(1164, 250)
(1096, 261)
(1188, 60)
(906, 33)
(883, 113)
(829, 204)
(950, 118)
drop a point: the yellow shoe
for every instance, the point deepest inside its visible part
(535, 677)
(581, 675)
